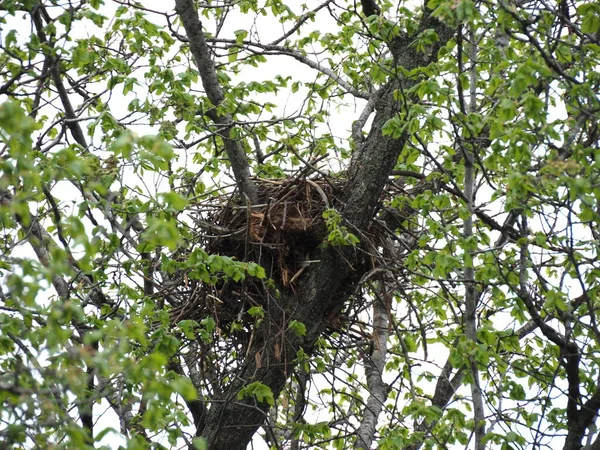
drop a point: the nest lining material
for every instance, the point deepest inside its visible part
(281, 233)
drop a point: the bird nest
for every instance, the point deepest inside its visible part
(282, 231)
(281, 234)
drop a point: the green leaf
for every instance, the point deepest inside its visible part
(259, 391)
(199, 443)
(240, 35)
(185, 388)
(232, 54)
(175, 200)
(298, 328)
(256, 311)
(591, 18)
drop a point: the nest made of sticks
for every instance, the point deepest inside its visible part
(283, 230)
(281, 233)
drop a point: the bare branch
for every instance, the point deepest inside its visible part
(374, 365)
(56, 75)
(301, 20)
(471, 294)
(271, 49)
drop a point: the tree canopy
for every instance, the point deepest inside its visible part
(327, 224)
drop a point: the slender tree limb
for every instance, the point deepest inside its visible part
(374, 365)
(235, 152)
(42, 243)
(471, 294)
(56, 75)
(299, 404)
(4, 89)
(579, 418)
(445, 388)
(359, 124)
(271, 49)
(123, 410)
(196, 407)
(301, 21)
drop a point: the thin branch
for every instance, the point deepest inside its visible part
(301, 20)
(471, 294)
(284, 51)
(55, 73)
(374, 365)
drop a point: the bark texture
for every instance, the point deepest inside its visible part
(210, 81)
(374, 365)
(230, 423)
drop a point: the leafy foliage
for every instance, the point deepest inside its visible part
(453, 299)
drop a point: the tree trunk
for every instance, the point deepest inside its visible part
(324, 288)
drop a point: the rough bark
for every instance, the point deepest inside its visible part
(230, 422)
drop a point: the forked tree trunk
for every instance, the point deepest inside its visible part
(231, 423)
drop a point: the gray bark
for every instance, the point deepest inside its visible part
(374, 365)
(230, 423)
(471, 294)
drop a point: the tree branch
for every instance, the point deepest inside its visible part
(53, 63)
(301, 20)
(471, 294)
(272, 49)
(374, 365)
(235, 152)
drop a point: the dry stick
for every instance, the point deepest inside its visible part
(235, 152)
(311, 166)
